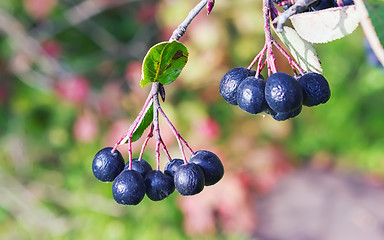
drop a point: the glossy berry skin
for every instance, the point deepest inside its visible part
(158, 185)
(283, 93)
(141, 166)
(210, 164)
(128, 188)
(231, 81)
(189, 179)
(171, 166)
(282, 116)
(322, 4)
(348, 2)
(315, 89)
(250, 95)
(107, 165)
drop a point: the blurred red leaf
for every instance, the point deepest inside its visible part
(86, 127)
(73, 89)
(52, 48)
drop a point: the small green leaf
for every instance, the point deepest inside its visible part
(303, 51)
(163, 63)
(147, 120)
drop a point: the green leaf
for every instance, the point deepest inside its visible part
(303, 51)
(147, 120)
(163, 63)
(326, 25)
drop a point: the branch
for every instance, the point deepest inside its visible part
(182, 28)
(369, 31)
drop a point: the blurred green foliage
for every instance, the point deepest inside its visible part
(46, 183)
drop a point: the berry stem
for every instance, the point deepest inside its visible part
(130, 153)
(156, 107)
(177, 135)
(150, 134)
(271, 61)
(136, 122)
(258, 56)
(260, 66)
(165, 150)
(292, 62)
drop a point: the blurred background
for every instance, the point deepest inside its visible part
(69, 86)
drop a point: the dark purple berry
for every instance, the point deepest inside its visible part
(107, 165)
(322, 4)
(250, 95)
(128, 188)
(230, 82)
(158, 185)
(141, 166)
(282, 116)
(283, 93)
(348, 2)
(315, 89)
(210, 164)
(189, 179)
(171, 166)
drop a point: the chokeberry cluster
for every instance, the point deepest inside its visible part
(281, 95)
(135, 179)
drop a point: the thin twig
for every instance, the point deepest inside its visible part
(175, 132)
(258, 56)
(136, 122)
(156, 107)
(182, 28)
(369, 31)
(292, 62)
(150, 134)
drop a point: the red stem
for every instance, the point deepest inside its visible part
(156, 107)
(259, 65)
(258, 56)
(166, 150)
(138, 120)
(177, 135)
(271, 61)
(292, 62)
(150, 134)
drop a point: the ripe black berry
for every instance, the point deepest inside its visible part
(158, 185)
(230, 82)
(250, 95)
(283, 93)
(322, 4)
(345, 2)
(282, 116)
(128, 188)
(210, 164)
(107, 165)
(315, 89)
(171, 166)
(141, 166)
(189, 179)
